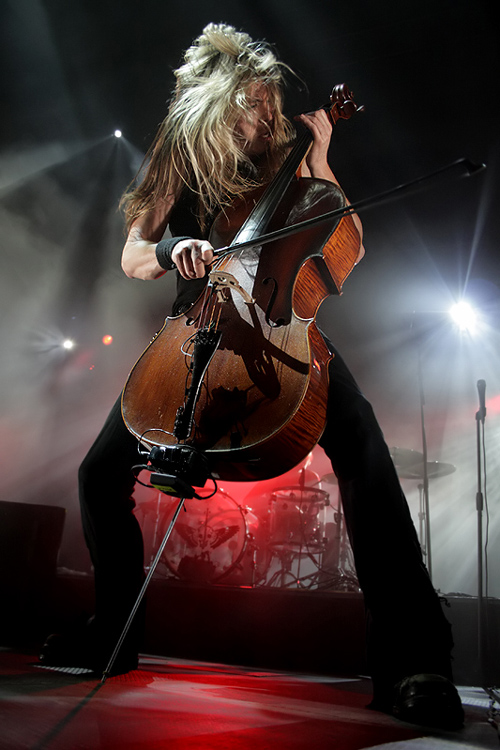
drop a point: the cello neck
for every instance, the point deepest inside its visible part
(259, 217)
(341, 106)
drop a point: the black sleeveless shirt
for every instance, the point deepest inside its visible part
(185, 222)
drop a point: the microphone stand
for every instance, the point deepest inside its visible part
(480, 416)
(484, 674)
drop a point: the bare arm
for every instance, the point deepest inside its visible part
(139, 259)
(316, 162)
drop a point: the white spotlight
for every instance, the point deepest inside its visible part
(118, 133)
(464, 316)
(68, 344)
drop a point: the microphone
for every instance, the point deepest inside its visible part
(481, 389)
(472, 167)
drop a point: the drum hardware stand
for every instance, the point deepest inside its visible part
(252, 548)
(424, 515)
(333, 572)
(286, 558)
(347, 581)
(422, 524)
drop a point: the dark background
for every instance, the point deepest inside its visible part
(427, 73)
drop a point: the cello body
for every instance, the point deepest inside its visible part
(260, 403)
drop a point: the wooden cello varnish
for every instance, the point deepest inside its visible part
(261, 402)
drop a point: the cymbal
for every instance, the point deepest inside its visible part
(406, 456)
(434, 469)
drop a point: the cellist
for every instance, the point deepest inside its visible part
(224, 134)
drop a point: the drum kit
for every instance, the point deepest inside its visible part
(292, 538)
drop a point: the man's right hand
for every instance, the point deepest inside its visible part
(191, 258)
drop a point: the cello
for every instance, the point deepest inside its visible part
(241, 377)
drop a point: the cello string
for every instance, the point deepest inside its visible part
(218, 317)
(214, 294)
(210, 297)
(207, 306)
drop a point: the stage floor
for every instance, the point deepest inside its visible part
(180, 704)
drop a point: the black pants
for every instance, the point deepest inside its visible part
(407, 632)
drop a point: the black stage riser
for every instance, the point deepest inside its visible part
(311, 631)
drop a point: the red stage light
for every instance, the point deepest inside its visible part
(107, 339)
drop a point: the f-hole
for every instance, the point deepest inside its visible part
(272, 299)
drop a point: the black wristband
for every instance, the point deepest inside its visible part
(164, 252)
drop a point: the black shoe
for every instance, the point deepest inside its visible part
(428, 700)
(83, 653)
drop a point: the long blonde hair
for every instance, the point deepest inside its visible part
(197, 144)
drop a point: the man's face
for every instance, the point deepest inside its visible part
(256, 127)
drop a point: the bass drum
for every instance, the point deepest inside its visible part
(213, 541)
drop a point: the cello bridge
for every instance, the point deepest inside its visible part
(223, 280)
